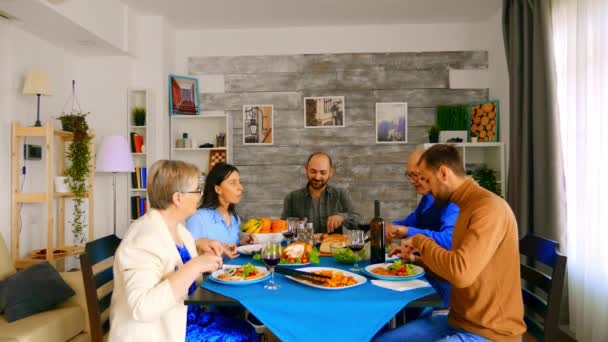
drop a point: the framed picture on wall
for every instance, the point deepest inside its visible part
(258, 125)
(324, 112)
(184, 98)
(391, 123)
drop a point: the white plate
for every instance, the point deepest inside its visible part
(419, 272)
(214, 276)
(359, 279)
(393, 258)
(293, 265)
(249, 249)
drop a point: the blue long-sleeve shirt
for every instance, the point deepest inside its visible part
(437, 223)
(432, 220)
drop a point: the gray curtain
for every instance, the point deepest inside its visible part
(535, 179)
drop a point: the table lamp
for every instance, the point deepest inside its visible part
(37, 83)
(114, 155)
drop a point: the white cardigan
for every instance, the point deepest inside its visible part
(143, 306)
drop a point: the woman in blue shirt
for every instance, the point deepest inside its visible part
(216, 217)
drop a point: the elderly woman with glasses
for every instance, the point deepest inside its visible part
(217, 218)
(157, 265)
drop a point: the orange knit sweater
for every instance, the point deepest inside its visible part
(483, 265)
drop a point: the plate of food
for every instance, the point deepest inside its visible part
(397, 270)
(299, 254)
(339, 280)
(240, 274)
(249, 249)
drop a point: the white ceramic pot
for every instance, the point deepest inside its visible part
(61, 184)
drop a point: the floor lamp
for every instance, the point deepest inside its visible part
(114, 155)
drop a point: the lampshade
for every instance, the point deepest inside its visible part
(37, 83)
(114, 155)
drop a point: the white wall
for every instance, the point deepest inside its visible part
(101, 88)
(20, 52)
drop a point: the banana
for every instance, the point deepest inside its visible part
(251, 226)
(248, 225)
(255, 228)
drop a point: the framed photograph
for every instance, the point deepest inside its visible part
(184, 98)
(324, 112)
(484, 121)
(257, 125)
(391, 123)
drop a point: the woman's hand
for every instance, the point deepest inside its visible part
(230, 250)
(246, 240)
(208, 246)
(207, 263)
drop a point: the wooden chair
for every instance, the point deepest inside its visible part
(96, 264)
(542, 273)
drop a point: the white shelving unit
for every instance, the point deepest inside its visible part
(201, 129)
(492, 154)
(138, 98)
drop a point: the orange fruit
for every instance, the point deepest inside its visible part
(266, 225)
(278, 226)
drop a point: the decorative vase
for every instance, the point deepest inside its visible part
(61, 184)
(473, 139)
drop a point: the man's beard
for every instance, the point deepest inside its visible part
(442, 197)
(317, 185)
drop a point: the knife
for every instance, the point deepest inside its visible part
(315, 278)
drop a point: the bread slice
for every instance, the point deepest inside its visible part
(326, 243)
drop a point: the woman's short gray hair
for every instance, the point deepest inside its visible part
(166, 177)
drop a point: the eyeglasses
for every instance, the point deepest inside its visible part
(198, 191)
(412, 175)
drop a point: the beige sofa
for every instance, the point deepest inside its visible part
(67, 322)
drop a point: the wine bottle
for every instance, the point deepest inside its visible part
(376, 233)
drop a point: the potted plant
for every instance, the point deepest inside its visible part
(139, 116)
(486, 178)
(474, 137)
(78, 171)
(433, 134)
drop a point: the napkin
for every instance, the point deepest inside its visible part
(401, 285)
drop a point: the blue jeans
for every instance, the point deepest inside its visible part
(433, 328)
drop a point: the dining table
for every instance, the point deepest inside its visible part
(297, 312)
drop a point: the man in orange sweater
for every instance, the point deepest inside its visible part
(483, 265)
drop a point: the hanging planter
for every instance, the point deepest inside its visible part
(80, 158)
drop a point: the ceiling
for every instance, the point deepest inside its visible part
(239, 14)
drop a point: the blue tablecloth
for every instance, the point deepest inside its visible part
(297, 312)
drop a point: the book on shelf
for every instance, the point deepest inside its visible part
(137, 141)
(139, 178)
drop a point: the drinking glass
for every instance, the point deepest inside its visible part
(357, 242)
(271, 255)
(291, 231)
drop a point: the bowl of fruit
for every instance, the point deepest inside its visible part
(263, 230)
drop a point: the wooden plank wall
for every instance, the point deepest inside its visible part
(368, 170)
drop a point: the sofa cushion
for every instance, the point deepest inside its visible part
(59, 324)
(35, 289)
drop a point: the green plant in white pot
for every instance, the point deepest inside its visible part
(79, 158)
